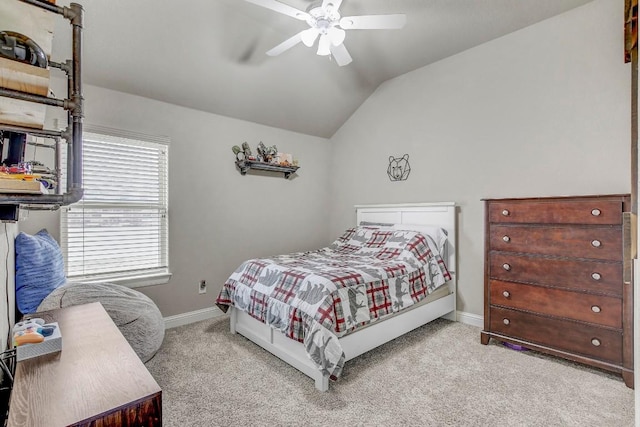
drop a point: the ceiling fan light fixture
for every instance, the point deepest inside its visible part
(324, 46)
(309, 36)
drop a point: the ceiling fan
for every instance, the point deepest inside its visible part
(325, 22)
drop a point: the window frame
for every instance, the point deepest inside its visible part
(141, 277)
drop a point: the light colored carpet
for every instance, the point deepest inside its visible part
(437, 375)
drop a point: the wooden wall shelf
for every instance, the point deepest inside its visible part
(246, 165)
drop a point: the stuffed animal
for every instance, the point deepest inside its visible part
(268, 154)
(247, 150)
(237, 150)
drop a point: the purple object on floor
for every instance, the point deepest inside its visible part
(515, 346)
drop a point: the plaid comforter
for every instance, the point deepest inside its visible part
(316, 297)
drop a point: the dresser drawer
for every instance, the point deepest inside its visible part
(594, 276)
(557, 212)
(603, 243)
(565, 335)
(606, 311)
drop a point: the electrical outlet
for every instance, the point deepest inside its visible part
(202, 288)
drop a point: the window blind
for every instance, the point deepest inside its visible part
(119, 230)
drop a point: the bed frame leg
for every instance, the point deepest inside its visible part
(233, 319)
(322, 383)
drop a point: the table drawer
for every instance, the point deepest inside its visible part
(565, 335)
(603, 243)
(595, 276)
(557, 212)
(606, 311)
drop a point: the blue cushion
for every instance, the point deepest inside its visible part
(39, 269)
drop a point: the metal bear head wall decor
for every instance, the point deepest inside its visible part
(399, 168)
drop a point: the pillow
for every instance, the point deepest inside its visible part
(378, 224)
(438, 234)
(39, 269)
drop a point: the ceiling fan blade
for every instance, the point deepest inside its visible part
(336, 35)
(341, 54)
(373, 22)
(336, 4)
(286, 45)
(282, 8)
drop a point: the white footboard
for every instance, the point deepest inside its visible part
(353, 344)
(278, 344)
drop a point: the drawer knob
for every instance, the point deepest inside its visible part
(506, 239)
(506, 266)
(595, 342)
(596, 276)
(506, 321)
(505, 212)
(506, 294)
(596, 212)
(596, 309)
(596, 243)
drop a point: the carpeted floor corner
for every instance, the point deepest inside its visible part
(437, 375)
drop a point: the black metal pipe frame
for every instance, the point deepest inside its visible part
(74, 105)
(77, 114)
(46, 6)
(35, 132)
(24, 96)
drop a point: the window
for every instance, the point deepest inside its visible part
(119, 232)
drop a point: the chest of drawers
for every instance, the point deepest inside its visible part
(558, 278)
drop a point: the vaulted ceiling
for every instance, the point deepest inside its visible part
(210, 54)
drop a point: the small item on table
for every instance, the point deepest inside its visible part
(32, 338)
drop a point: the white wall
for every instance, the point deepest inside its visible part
(217, 217)
(540, 112)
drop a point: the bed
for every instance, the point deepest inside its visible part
(409, 250)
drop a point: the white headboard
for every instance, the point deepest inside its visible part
(442, 214)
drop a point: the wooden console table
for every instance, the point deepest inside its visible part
(96, 380)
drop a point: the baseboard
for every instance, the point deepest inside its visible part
(191, 317)
(470, 319)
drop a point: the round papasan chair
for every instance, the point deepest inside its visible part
(135, 314)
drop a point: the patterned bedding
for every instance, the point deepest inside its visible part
(316, 297)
